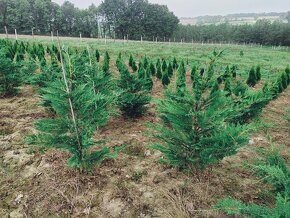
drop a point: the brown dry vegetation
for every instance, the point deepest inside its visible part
(38, 184)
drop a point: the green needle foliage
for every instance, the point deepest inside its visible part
(10, 77)
(287, 71)
(147, 81)
(193, 131)
(79, 111)
(170, 70)
(131, 60)
(227, 88)
(165, 78)
(275, 172)
(152, 69)
(234, 71)
(141, 73)
(252, 79)
(145, 63)
(106, 64)
(134, 66)
(193, 72)
(164, 66)
(181, 80)
(175, 64)
(240, 88)
(74, 125)
(158, 63)
(258, 73)
(159, 72)
(134, 100)
(97, 55)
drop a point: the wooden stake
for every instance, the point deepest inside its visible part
(51, 34)
(16, 37)
(6, 32)
(69, 99)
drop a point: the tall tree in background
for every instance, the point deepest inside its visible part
(137, 17)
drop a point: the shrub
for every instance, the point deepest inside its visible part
(181, 80)
(193, 132)
(252, 79)
(170, 70)
(164, 66)
(275, 172)
(106, 64)
(134, 100)
(258, 73)
(193, 72)
(10, 78)
(152, 69)
(165, 78)
(159, 72)
(79, 110)
(175, 64)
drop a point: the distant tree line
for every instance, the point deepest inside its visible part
(113, 18)
(130, 19)
(262, 32)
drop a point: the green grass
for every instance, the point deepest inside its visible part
(271, 61)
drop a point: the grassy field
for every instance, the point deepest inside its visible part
(38, 184)
(271, 59)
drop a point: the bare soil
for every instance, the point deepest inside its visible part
(35, 183)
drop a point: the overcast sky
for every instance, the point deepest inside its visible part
(193, 8)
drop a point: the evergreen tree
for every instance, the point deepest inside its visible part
(252, 79)
(106, 64)
(164, 66)
(240, 89)
(131, 60)
(10, 78)
(287, 71)
(134, 100)
(148, 82)
(134, 66)
(140, 65)
(284, 79)
(194, 133)
(170, 70)
(234, 71)
(158, 63)
(181, 80)
(152, 69)
(146, 63)
(258, 73)
(175, 64)
(227, 73)
(79, 110)
(141, 73)
(159, 72)
(193, 72)
(165, 78)
(273, 170)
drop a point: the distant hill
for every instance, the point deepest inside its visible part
(235, 19)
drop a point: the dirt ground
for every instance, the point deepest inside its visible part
(38, 183)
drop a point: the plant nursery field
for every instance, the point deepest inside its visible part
(105, 128)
